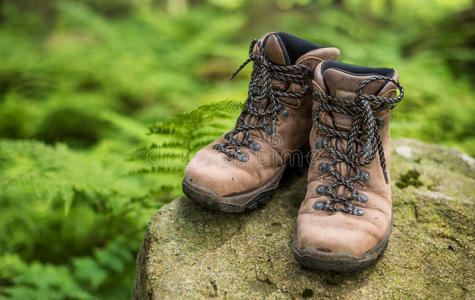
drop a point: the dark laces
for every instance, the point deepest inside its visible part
(260, 89)
(363, 142)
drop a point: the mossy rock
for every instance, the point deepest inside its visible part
(192, 253)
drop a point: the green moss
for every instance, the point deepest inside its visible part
(307, 293)
(332, 279)
(410, 178)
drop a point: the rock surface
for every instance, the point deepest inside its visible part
(192, 253)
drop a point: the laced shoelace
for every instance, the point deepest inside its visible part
(260, 89)
(363, 142)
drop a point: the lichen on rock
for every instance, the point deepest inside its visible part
(190, 252)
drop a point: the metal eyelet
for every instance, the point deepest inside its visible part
(319, 205)
(255, 146)
(355, 211)
(322, 190)
(242, 157)
(284, 113)
(364, 176)
(319, 145)
(269, 130)
(362, 198)
(323, 167)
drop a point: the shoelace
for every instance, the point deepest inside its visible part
(359, 152)
(260, 89)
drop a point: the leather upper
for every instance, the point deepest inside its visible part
(339, 232)
(227, 176)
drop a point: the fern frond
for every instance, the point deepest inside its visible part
(177, 139)
(36, 171)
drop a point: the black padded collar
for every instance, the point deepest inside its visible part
(356, 70)
(292, 46)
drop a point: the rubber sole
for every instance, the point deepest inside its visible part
(339, 262)
(235, 203)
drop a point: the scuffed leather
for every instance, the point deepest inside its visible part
(213, 170)
(341, 232)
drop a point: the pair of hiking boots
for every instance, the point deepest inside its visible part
(299, 95)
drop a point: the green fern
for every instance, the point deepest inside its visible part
(177, 140)
(45, 282)
(34, 170)
(81, 215)
(83, 279)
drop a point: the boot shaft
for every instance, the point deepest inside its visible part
(279, 102)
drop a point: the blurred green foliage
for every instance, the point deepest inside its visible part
(81, 82)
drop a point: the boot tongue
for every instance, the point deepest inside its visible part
(274, 49)
(344, 84)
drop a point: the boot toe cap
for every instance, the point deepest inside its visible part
(213, 171)
(333, 236)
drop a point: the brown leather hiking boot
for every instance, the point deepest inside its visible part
(345, 220)
(244, 166)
